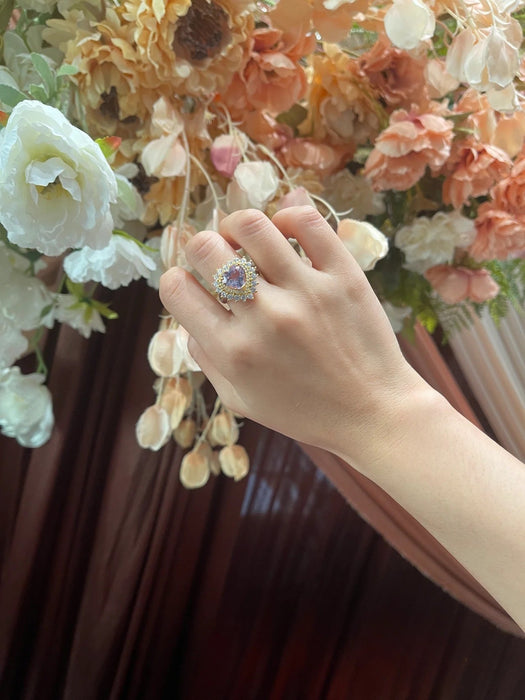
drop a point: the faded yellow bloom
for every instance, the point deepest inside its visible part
(344, 107)
(194, 47)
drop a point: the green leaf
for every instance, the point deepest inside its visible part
(44, 70)
(66, 69)
(75, 288)
(6, 9)
(104, 309)
(293, 117)
(38, 93)
(11, 96)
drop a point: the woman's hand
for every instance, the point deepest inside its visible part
(313, 355)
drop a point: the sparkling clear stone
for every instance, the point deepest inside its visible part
(234, 277)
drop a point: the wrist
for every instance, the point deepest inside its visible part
(395, 418)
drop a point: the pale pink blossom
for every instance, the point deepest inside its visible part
(457, 284)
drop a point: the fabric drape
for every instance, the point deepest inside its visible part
(116, 582)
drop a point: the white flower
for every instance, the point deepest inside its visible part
(396, 315)
(428, 242)
(353, 194)
(153, 279)
(486, 60)
(407, 22)
(129, 205)
(364, 241)
(83, 317)
(254, 184)
(56, 187)
(165, 156)
(23, 297)
(26, 411)
(12, 343)
(114, 266)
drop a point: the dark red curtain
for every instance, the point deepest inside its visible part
(118, 583)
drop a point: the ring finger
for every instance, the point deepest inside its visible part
(208, 252)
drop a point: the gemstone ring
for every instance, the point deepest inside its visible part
(236, 280)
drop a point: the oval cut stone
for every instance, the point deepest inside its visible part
(234, 277)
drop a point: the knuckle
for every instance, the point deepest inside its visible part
(172, 286)
(248, 221)
(242, 356)
(202, 247)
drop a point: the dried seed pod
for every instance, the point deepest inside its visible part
(215, 465)
(153, 428)
(223, 430)
(178, 408)
(194, 470)
(180, 384)
(234, 461)
(184, 433)
(165, 354)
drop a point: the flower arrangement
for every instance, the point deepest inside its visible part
(128, 126)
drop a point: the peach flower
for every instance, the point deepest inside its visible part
(343, 104)
(396, 75)
(261, 127)
(474, 168)
(499, 234)
(314, 155)
(509, 193)
(110, 80)
(194, 47)
(456, 284)
(405, 148)
(272, 78)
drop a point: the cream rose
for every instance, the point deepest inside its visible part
(428, 242)
(56, 187)
(364, 241)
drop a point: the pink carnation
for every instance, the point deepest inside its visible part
(406, 147)
(509, 194)
(499, 234)
(475, 167)
(455, 284)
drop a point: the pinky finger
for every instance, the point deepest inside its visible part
(222, 386)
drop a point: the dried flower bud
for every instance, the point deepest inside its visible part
(194, 470)
(165, 354)
(178, 408)
(184, 433)
(176, 385)
(215, 465)
(224, 430)
(234, 461)
(153, 428)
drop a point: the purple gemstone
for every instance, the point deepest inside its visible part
(234, 277)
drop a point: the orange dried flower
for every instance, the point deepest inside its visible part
(404, 149)
(396, 75)
(344, 106)
(272, 78)
(499, 234)
(474, 168)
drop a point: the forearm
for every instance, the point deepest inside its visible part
(466, 490)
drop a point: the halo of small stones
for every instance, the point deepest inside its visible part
(228, 293)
